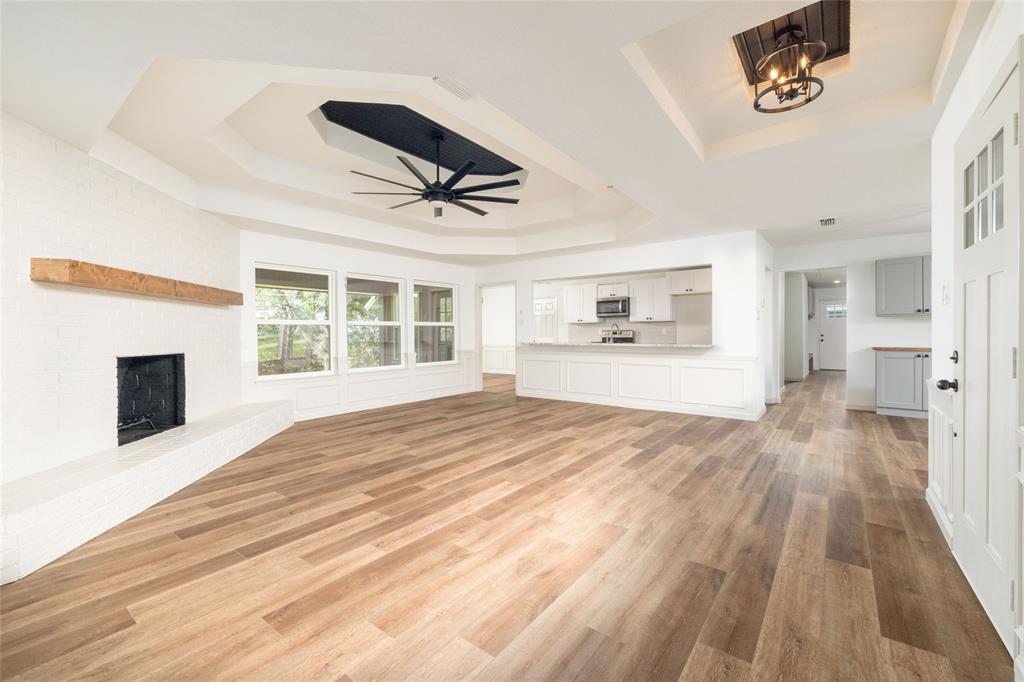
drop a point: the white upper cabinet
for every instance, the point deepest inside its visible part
(650, 301)
(581, 303)
(613, 290)
(902, 286)
(686, 282)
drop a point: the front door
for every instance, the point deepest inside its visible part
(832, 334)
(985, 524)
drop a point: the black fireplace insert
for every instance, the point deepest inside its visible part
(150, 395)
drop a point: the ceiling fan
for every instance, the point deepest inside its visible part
(440, 194)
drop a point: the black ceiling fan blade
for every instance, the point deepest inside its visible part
(400, 194)
(408, 203)
(497, 200)
(459, 174)
(367, 175)
(414, 170)
(473, 209)
(486, 186)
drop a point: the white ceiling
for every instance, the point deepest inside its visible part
(216, 104)
(826, 279)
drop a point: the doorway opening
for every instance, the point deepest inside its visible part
(815, 330)
(497, 335)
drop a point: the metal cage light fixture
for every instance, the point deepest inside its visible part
(788, 70)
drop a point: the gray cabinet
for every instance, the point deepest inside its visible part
(903, 286)
(900, 387)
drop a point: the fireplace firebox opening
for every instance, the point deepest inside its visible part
(150, 395)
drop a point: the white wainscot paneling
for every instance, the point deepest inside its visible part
(439, 378)
(645, 382)
(542, 375)
(499, 359)
(717, 386)
(592, 378)
(378, 384)
(313, 397)
(941, 427)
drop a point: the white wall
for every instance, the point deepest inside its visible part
(796, 325)
(863, 328)
(999, 35)
(59, 343)
(344, 391)
(498, 316)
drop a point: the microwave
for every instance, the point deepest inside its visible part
(615, 306)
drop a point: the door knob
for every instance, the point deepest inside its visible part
(945, 385)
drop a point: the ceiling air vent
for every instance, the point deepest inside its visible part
(826, 222)
(455, 87)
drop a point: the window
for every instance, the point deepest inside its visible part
(293, 323)
(835, 310)
(984, 192)
(434, 321)
(374, 322)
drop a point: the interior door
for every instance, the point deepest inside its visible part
(831, 334)
(985, 523)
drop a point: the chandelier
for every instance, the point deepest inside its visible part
(787, 69)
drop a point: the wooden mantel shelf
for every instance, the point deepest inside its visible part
(81, 274)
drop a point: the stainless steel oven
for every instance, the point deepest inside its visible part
(614, 306)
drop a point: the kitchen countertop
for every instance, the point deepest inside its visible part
(902, 349)
(589, 344)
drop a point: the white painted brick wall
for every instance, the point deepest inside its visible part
(58, 345)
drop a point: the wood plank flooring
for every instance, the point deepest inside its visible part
(491, 537)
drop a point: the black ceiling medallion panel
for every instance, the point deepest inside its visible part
(402, 128)
(827, 21)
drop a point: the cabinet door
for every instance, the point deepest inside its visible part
(899, 286)
(574, 304)
(679, 282)
(898, 381)
(700, 281)
(640, 300)
(926, 373)
(612, 290)
(588, 303)
(661, 301)
(926, 290)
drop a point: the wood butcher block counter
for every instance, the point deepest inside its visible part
(688, 378)
(902, 349)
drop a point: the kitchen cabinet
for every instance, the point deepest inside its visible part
(581, 303)
(649, 300)
(686, 282)
(616, 290)
(903, 286)
(900, 382)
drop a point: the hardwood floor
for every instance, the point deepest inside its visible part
(494, 538)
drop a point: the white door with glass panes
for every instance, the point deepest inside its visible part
(986, 317)
(832, 334)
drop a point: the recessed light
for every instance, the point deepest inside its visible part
(835, 281)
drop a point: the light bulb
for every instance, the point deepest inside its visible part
(803, 61)
(774, 74)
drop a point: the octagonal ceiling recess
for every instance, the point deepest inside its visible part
(257, 143)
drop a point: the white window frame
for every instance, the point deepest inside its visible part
(989, 192)
(454, 324)
(330, 322)
(400, 323)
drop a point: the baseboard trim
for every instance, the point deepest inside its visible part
(940, 517)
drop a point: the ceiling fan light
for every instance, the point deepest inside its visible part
(437, 202)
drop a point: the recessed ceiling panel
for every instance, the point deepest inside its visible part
(827, 20)
(402, 128)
